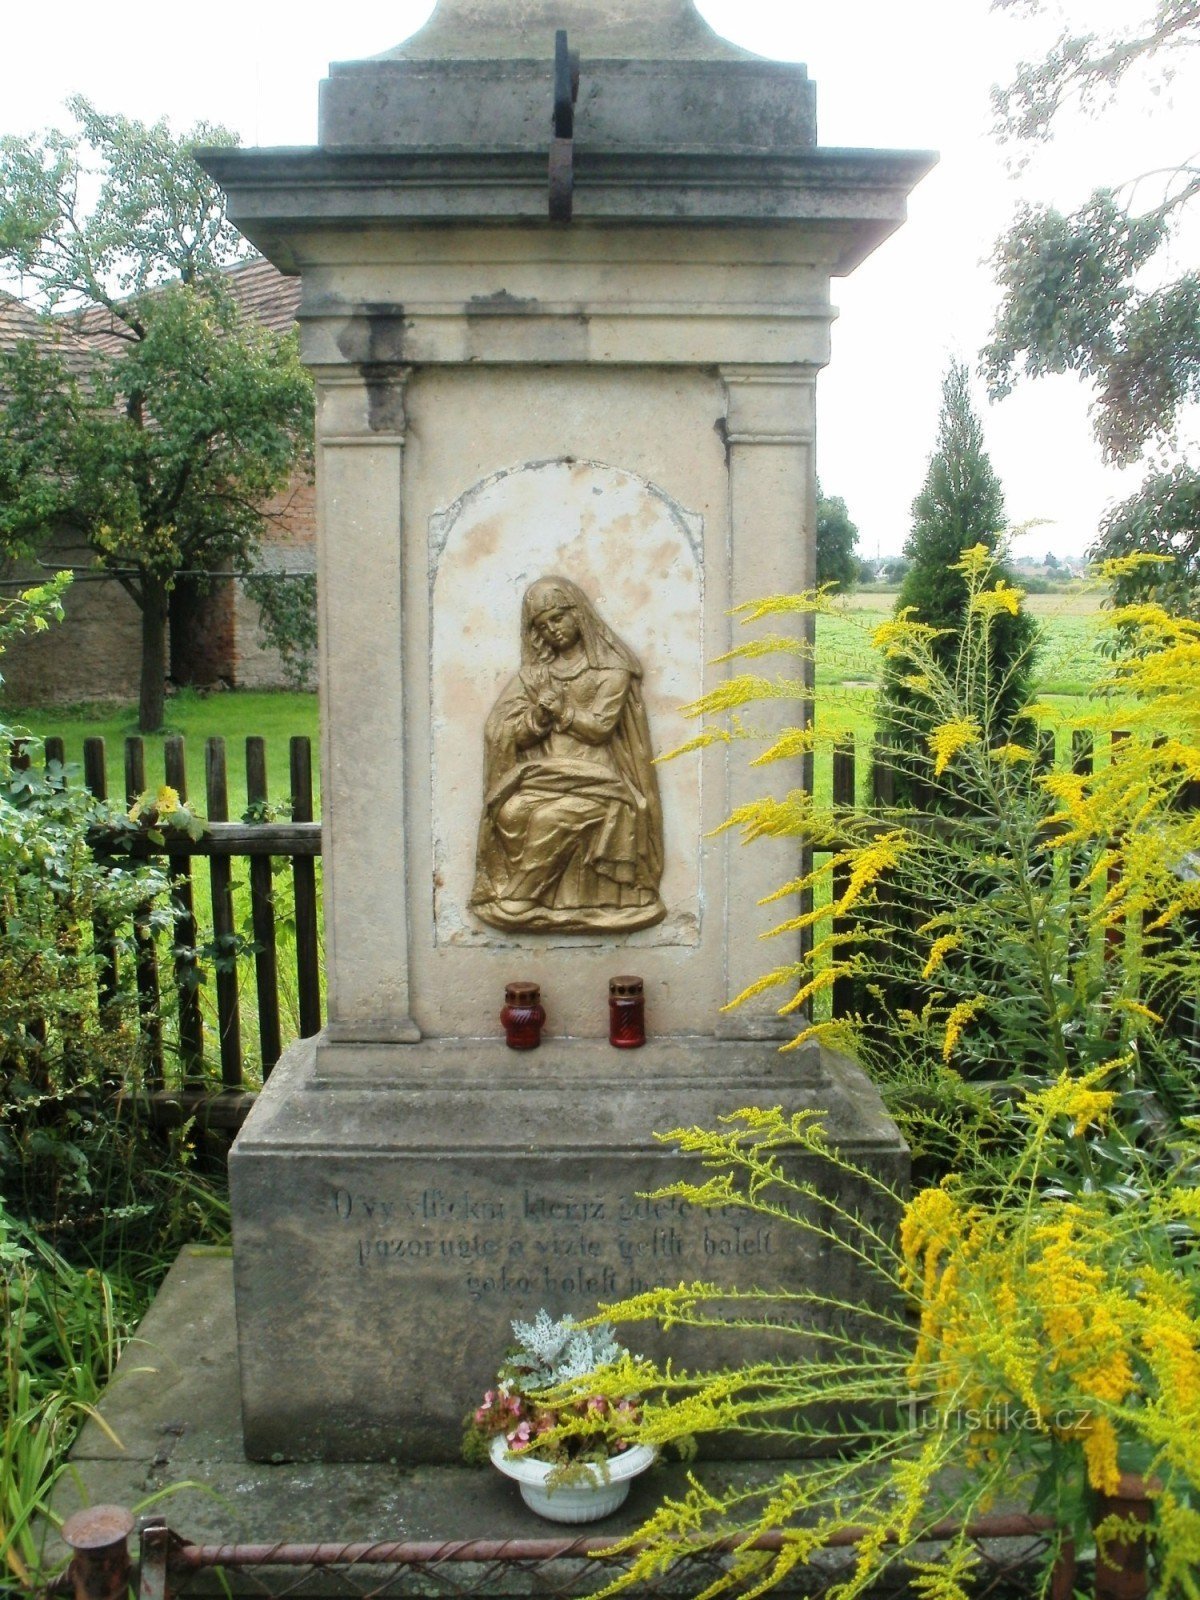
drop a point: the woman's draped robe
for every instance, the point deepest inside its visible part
(572, 819)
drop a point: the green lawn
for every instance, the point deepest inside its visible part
(846, 667)
(236, 716)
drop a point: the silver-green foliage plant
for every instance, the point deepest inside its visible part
(551, 1352)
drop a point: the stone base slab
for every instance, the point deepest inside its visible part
(387, 1230)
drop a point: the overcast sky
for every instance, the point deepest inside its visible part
(913, 75)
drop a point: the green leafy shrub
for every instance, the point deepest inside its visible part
(1038, 1326)
(1048, 926)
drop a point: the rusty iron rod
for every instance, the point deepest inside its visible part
(1121, 1570)
(416, 1552)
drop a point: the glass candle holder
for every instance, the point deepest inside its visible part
(626, 1013)
(523, 1015)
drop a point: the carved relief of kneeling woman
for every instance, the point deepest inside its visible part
(571, 832)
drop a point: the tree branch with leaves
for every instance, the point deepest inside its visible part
(1102, 292)
(160, 436)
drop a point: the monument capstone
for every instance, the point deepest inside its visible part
(565, 324)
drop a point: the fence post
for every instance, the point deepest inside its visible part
(1121, 1572)
(229, 1025)
(304, 879)
(191, 1024)
(146, 962)
(100, 1566)
(262, 911)
(154, 1552)
(843, 801)
(95, 777)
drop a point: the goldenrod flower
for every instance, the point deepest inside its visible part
(959, 1018)
(948, 738)
(1012, 753)
(938, 951)
(1074, 1098)
(1100, 1453)
(990, 602)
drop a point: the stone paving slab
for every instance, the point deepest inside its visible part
(171, 1443)
(171, 1440)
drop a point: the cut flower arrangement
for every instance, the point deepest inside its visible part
(545, 1413)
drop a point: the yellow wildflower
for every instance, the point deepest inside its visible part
(990, 602)
(948, 738)
(1170, 1343)
(1135, 1008)
(959, 1018)
(930, 1218)
(868, 865)
(900, 634)
(1100, 1453)
(166, 800)
(974, 562)
(937, 952)
(1074, 1098)
(1012, 753)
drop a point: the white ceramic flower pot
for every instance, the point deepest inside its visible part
(577, 1501)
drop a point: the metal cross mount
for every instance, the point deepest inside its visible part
(562, 147)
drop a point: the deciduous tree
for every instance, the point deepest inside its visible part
(836, 538)
(159, 435)
(1108, 290)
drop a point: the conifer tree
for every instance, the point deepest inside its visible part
(961, 505)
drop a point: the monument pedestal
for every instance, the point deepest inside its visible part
(553, 458)
(387, 1233)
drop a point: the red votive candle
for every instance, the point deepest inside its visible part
(626, 1013)
(523, 1015)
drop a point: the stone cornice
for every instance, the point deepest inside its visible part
(276, 195)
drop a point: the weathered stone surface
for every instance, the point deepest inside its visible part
(480, 76)
(628, 402)
(497, 30)
(171, 1422)
(386, 1235)
(741, 107)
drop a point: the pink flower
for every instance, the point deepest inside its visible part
(520, 1436)
(598, 1404)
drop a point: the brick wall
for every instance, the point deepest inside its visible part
(95, 654)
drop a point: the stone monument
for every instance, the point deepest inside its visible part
(565, 320)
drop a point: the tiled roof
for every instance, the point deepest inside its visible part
(18, 323)
(260, 289)
(264, 293)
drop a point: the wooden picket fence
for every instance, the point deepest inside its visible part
(180, 1083)
(188, 1089)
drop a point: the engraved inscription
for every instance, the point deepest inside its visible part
(544, 1246)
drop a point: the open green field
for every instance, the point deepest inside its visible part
(1068, 660)
(275, 717)
(846, 673)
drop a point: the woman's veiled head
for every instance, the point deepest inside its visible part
(554, 594)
